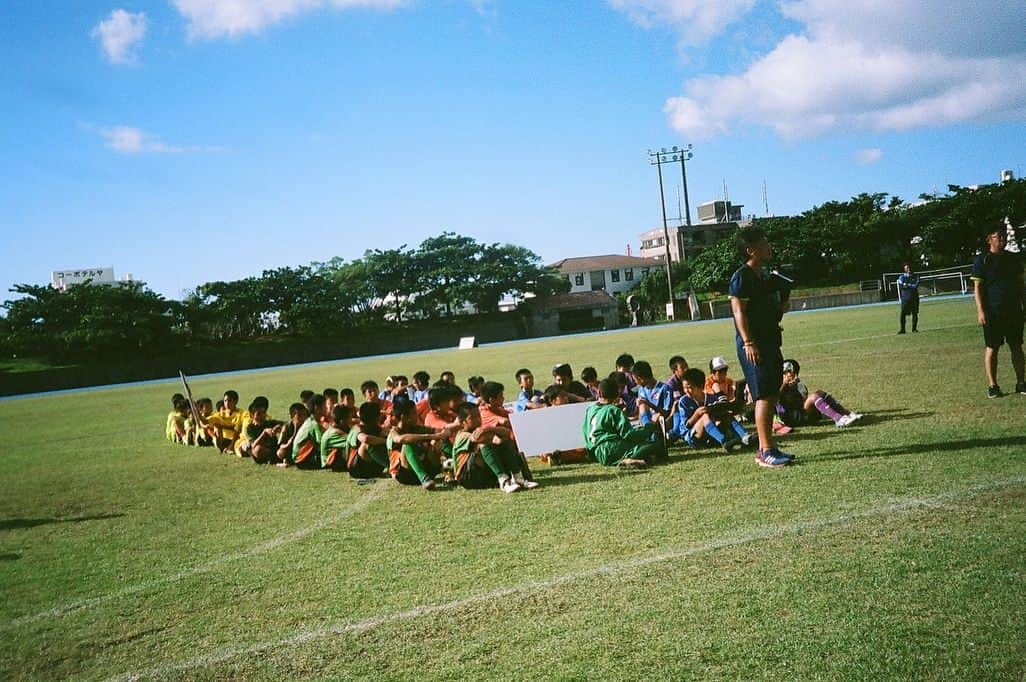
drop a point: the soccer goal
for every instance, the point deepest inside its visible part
(953, 280)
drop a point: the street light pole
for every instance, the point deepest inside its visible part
(658, 158)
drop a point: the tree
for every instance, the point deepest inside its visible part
(394, 277)
(447, 264)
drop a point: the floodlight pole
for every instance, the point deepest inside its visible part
(666, 231)
(658, 158)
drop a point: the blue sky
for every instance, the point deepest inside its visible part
(195, 140)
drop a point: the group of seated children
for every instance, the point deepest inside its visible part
(416, 433)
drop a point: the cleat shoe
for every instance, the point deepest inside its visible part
(902, 331)
(994, 391)
(731, 444)
(1020, 388)
(524, 483)
(781, 428)
(428, 484)
(746, 440)
(855, 416)
(772, 458)
(845, 420)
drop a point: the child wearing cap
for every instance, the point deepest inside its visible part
(697, 423)
(797, 405)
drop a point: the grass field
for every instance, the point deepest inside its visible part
(893, 549)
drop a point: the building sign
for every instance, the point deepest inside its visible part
(62, 279)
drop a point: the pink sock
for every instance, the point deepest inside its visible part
(824, 407)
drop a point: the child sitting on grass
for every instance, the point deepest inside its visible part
(176, 429)
(204, 436)
(366, 444)
(306, 447)
(261, 433)
(655, 400)
(797, 406)
(529, 398)
(298, 415)
(485, 456)
(698, 424)
(414, 456)
(589, 377)
(334, 441)
(609, 437)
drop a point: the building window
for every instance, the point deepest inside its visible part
(615, 274)
(579, 279)
(628, 274)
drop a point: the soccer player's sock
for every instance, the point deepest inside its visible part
(715, 432)
(738, 429)
(823, 404)
(838, 407)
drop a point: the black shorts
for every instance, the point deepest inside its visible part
(910, 307)
(474, 477)
(361, 468)
(1003, 328)
(763, 379)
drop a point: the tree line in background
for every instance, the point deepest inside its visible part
(445, 276)
(449, 275)
(847, 241)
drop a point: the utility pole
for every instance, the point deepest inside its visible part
(657, 159)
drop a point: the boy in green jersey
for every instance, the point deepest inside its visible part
(414, 452)
(367, 446)
(484, 456)
(335, 441)
(609, 437)
(297, 417)
(306, 448)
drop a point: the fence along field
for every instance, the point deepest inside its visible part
(892, 549)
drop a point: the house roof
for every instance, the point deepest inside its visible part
(581, 299)
(608, 262)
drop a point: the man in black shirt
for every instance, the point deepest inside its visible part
(998, 290)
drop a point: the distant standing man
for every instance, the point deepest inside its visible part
(998, 289)
(908, 294)
(758, 300)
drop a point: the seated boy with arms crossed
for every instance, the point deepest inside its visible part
(415, 457)
(335, 441)
(485, 456)
(367, 444)
(261, 433)
(297, 417)
(696, 423)
(609, 437)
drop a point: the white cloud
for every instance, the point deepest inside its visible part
(696, 20)
(130, 140)
(216, 18)
(868, 156)
(120, 34)
(874, 65)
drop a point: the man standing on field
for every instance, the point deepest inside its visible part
(758, 300)
(908, 294)
(998, 290)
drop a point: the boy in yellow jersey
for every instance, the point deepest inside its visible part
(204, 435)
(228, 422)
(367, 444)
(176, 429)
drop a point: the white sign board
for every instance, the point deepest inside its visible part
(468, 342)
(62, 279)
(551, 428)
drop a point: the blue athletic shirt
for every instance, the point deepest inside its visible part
(763, 308)
(659, 396)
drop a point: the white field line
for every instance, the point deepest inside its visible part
(268, 546)
(767, 533)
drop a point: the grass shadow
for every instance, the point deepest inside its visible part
(10, 556)
(12, 524)
(926, 448)
(612, 472)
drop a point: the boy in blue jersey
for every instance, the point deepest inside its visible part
(529, 398)
(908, 294)
(655, 399)
(758, 301)
(696, 423)
(421, 382)
(998, 291)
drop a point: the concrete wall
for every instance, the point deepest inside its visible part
(721, 308)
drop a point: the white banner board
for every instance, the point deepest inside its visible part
(550, 428)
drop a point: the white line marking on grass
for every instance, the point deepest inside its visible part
(767, 533)
(270, 545)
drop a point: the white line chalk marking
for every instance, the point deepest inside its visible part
(270, 545)
(759, 534)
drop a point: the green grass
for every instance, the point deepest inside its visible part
(894, 549)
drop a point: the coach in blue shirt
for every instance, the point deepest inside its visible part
(908, 294)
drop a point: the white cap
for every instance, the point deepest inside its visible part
(717, 363)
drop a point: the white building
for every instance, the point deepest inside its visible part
(612, 274)
(62, 279)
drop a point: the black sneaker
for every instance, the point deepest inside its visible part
(901, 331)
(731, 444)
(994, 391)
(1020, 388)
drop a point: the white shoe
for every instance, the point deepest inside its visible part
(524, 483)
(746, 439)
(845, 420)
(855, 416)
(508, 485)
